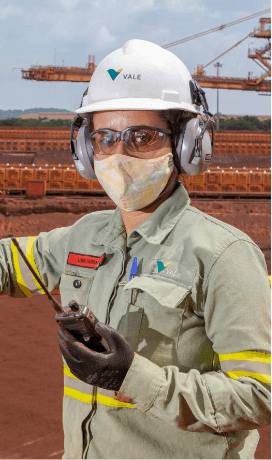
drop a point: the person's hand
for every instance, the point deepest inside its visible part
(105, 370)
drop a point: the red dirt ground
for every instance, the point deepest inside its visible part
(30, 362)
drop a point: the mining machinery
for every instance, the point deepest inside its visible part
(262, 56)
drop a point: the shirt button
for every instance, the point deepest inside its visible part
(77, 284)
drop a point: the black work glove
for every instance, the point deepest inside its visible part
(105, 370)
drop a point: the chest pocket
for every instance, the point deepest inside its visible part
(74, 287)
(162, 304)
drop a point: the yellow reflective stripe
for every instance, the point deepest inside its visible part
(257, 361)
(269, 280)
(101, 399)
(108, 401)
(246, 356)
(19, 277)
(30, 258)
(83, 397)
(67, 372)
(237, 374)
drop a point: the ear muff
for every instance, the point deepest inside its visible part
(194, 146)
(82, 152)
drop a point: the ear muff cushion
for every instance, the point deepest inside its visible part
(190, 164)
(89, 147)
(84, 153)
(176, 136)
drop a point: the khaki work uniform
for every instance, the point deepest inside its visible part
(199, 385)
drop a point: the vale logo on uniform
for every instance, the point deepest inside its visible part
(162, 266)
(114, 73)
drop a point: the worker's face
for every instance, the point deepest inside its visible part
(121, 119)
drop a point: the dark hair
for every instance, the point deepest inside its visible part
(173, 117)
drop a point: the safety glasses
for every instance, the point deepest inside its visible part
(136, 138)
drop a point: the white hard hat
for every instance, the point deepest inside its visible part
(139, 76)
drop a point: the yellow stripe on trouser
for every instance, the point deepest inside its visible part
(253, 364)
(30, 258)
(89, 398)
(19, 277)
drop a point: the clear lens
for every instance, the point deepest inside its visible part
(143, 139)
(135, 139)
(103, 142)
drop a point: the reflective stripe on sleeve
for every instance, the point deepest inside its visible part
(19, 278)
(30, 257)
(75, 388)
(252, 364)
(25, 280)
(106, 397)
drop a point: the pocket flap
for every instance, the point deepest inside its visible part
(167, 294)
(67, 282)
(76, 288)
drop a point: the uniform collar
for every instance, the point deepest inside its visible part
(156, 227)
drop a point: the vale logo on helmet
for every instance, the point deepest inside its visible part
(114, 73)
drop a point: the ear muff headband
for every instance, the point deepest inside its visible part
(193, 148)
(193, 145)
(82, 149)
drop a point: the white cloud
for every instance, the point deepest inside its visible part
(104, 37)
(159, 35)
(88, 24)
(7, 11)
(162, 32)
(215, 15)
(185, 6)
(142, 5)
(61, 26)
(69, 4)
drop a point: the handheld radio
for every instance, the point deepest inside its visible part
(78, 319)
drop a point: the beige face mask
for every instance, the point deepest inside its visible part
(133, 183)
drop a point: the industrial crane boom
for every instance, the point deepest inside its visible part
(215, 29)
(81, 74)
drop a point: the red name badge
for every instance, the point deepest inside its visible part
(82, 260)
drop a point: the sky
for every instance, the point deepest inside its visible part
(31, 30)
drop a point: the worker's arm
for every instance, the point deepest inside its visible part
(237, 321)
(45, 252)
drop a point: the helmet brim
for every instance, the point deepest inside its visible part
(136, 104)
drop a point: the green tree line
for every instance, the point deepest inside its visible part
(242, 123)
(245, 123)
(17, 113)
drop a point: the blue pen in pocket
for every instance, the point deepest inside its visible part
(133, 272)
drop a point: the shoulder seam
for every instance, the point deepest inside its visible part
(206, 216)
(214, 262)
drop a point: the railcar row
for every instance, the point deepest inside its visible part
(61, 179)
(32, 139)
